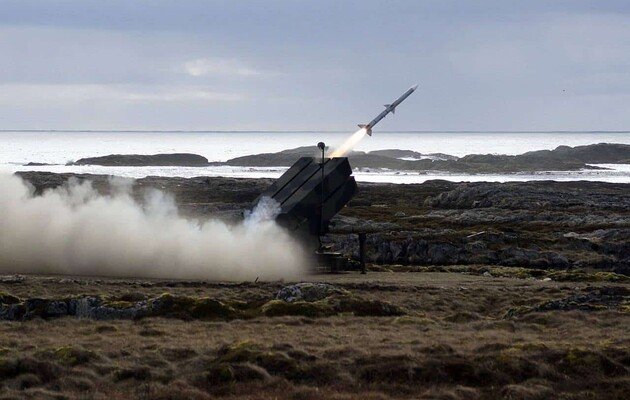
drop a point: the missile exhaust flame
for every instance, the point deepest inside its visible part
(349, 144)
(366, 129)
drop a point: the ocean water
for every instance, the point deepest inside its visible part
(19, 148)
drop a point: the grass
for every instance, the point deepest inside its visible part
(450, 343)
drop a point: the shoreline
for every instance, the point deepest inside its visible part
(622, 175)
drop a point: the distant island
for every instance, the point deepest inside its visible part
(140, 160)
(562, 158)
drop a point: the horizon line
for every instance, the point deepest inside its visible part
(299, 131)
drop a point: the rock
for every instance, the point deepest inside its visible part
(142, 160)
(545, 225)
(12, 312)
(56, 309)
(307, 291)
(345, 224)
(563, 158)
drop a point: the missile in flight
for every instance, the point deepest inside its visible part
(389, 108)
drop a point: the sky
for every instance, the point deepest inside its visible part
(314, 65)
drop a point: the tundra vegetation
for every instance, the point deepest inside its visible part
(475, 291)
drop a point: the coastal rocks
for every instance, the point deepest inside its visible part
(563, 158)
(143, 160)
(332, 305)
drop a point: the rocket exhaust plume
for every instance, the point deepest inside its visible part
(75, 230)
(349, 144)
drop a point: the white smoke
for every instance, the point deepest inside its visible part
(266, 210)
(75, 230)
(347, 146)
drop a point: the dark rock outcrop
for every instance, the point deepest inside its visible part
(543, 224)
(563, 158)
(142, 160)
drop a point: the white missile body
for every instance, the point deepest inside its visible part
(389, 108)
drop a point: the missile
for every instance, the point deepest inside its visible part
(389, 108)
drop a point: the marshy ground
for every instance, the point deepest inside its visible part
(461, 335)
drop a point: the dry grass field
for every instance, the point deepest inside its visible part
(460, 336)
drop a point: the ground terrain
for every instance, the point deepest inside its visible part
(461, 336)
(475, 291)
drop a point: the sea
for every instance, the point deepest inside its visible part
(18, 148)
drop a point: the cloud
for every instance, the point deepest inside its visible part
(33, 94)
(208, 66)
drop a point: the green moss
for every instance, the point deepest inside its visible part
(184, 306)
(584, 276)
(206, 308)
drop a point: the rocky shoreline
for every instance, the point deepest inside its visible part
(563, 158)
(542, 225)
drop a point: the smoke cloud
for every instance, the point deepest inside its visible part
(75, 230)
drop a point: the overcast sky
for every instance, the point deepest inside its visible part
(314, 65)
